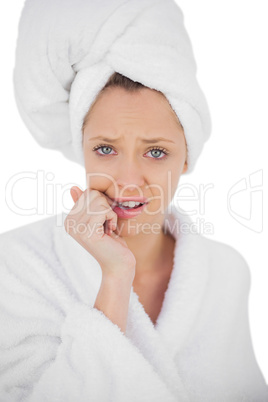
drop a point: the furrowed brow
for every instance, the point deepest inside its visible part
(147, 141)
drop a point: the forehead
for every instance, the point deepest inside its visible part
(146, 108)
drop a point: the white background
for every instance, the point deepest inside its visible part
(230, 46)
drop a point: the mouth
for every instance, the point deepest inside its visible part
(131, 205)
(130, 202)
(129, 208)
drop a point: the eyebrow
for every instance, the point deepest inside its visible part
(150, 141)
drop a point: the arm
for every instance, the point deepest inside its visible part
(247, 374)
(113, 298)
(54, 349)
(226, 336)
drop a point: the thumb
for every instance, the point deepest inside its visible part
(76, 193)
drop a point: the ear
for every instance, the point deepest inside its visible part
(185, 167)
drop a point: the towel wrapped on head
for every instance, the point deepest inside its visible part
(67, 50)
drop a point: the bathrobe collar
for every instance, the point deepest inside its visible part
(162, 342)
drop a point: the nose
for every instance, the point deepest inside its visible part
(130, 175)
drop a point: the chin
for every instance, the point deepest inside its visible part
(128, 227)
(132, 227)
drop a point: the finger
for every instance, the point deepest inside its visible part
(109, 200)
(97, 226)
(101, 204)
(112, 225)
(76, 193)
(81, 199)
(97, 194)
(107, 229)
(101, 221)
(111, 217)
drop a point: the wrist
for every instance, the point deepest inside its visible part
(124, 275)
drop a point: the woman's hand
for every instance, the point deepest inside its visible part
(94, 230)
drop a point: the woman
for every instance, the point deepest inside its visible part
(121, 302)
(139, 115)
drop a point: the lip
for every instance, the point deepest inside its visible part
(133, 198)
(128, 213)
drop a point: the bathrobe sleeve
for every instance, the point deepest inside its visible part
(54, 348)
(245, 376)
(220, 355)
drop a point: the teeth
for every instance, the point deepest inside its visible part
(130, 204)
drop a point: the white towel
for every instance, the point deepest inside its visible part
(67, 50)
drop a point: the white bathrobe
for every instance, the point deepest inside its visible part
(55, 346)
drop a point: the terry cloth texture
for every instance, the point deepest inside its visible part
(56, 347)
(66, 52)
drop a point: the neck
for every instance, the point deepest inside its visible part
(152, 252)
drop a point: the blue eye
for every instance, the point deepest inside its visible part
(155, 151)
(105, 149)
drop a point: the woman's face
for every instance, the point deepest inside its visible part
(124, 160)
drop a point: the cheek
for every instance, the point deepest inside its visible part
(99, 181)
(98, 175)
(94, 164)
(169, 185)
(166, 178)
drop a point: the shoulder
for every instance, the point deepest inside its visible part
(36, 238)
(27, 252)
(34, 231)
(37, 234)
(29, 285)
(227, 264)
